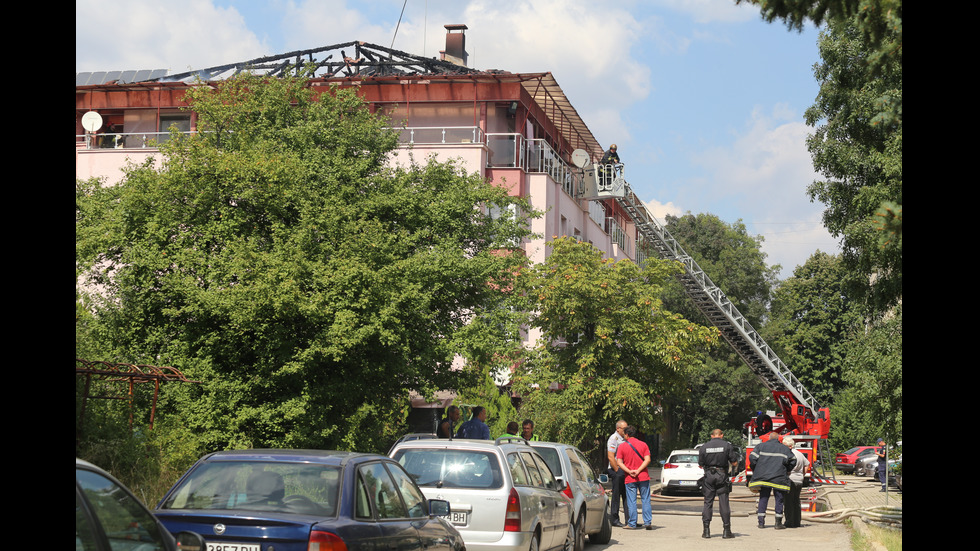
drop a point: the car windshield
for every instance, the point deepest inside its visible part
(259, 486)
(443, 468)
(684, 458)
(850, 451)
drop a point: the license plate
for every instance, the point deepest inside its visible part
(456, 517)
(233, 547)
(688, 482)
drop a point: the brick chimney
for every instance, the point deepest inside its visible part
(455, 51)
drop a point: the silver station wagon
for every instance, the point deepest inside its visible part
(502, 494)
(589, 512)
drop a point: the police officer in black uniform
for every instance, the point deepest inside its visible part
(716, 456)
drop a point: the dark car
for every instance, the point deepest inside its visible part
(108, 516)
(294, 500)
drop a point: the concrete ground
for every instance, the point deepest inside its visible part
(677, 522)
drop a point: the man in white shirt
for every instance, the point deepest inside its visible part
(617, 475)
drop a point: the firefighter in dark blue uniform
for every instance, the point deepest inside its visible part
(716, 457)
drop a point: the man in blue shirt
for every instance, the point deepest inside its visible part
(476, 428)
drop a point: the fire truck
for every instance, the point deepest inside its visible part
(798, 413)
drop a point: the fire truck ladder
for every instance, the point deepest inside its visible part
(720, 311)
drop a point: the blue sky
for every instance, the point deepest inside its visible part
(704, 99)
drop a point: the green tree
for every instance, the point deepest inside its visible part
(277, 256)
(861, 156)
(722, 392)
(857, 144)
(607, 348)
(870, 405)
(812, 319)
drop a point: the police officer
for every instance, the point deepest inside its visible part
(716, 456)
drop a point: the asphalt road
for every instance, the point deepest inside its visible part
(677, 526)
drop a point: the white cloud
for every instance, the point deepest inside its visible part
(711, 11)
(661, 210)
(148, 34)
(314, 23)
(763, 174)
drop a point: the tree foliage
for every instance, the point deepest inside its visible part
(879, 21)
(279, 257)
(606, 342)
(870, 406)
(812, 318)
(857, 144)
(860, 154)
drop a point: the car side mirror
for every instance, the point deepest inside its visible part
(438, 508)
(189, 541)
(604, 479)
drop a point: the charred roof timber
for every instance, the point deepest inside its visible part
(345, 60)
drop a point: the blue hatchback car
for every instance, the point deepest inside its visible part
(305, 500)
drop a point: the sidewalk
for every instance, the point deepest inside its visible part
(860, 492)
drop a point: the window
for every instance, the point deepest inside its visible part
(382, 490)
(260, 486)
(125, 522)
(443, 468)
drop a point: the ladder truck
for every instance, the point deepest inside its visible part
(798, 413)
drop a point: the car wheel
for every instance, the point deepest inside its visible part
(580, 532)
(604, 534)
(570, 538)
(534, 543)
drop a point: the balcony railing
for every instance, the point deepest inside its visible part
(440, 135)
(123, 140)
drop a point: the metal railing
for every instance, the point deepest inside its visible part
(719, 310)
(440, 135)
(123, 140)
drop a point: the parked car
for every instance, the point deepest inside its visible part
(502, 494)
(295, 500)
(866, 465)
(680, 472)
(583, 487)
(845, 462)
(894, 466)
(413, 436)
(108, 516)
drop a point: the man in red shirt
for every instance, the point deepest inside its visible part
(634, 456)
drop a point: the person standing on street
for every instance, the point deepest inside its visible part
(448, 422)
(617, 476)
(771, 462)
(716, 457)
(527, 431)
(796, 477)
(882, 464)
(634, 458)
(476, 428)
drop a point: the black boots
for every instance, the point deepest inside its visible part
(779, 523)
(707, 531)
(728, 532)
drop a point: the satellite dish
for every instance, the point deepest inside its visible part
(581, 158)
(91, 121)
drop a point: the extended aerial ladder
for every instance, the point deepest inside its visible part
(798, 413)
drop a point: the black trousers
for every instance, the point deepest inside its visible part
(792, 506)
(716, 485)
(617, 480)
